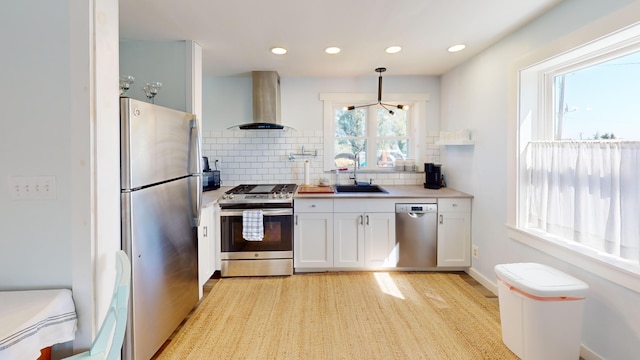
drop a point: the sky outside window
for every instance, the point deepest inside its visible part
(600, 99)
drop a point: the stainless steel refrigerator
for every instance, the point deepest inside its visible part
(161, 194)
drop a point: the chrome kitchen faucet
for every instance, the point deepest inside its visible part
(355, 168)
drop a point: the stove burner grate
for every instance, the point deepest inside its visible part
(262, 189)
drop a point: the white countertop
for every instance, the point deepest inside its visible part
(394, 191)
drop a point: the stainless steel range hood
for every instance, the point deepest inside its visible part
(266, 102)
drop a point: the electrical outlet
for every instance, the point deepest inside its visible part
(474, 251)
(32, 187)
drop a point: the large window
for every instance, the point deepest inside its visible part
(598, 101)
(374, 135)
(579, 142)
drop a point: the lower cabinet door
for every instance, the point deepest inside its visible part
(313, 240)
(206, 246)
(380, 240)
(348, 237)
(454, 239)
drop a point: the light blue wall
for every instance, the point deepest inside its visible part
(480, 95)
(35, 139)
(150, 61)
(52, 65)
(227, 101)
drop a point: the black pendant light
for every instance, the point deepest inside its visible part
(379, 70)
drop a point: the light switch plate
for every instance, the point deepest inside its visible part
(32, 187)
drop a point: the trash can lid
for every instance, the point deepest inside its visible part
(541, 280)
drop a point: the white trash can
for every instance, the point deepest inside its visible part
(540, 311)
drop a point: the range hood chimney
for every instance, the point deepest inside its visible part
(266, 102)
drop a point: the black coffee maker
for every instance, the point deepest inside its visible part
(210, 178)
(433, 177)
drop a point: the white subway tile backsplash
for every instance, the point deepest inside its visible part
(263, 157)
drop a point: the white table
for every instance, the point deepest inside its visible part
(31, 320)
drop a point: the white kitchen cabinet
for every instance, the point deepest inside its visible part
(206, 246)
(313, 233)
(380, 240)
(364, 233)
(217, 249)
(454, 232)
(348, 237)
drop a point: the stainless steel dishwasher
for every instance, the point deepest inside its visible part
(416, 235)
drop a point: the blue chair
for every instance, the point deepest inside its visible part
(115, 323)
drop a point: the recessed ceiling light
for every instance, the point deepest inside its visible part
(332, 50)
(278, 50)
(393, 49)
(456, 48)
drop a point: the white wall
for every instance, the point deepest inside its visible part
(95, 159)
(480, 95)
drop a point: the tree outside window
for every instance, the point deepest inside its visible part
(356, 131)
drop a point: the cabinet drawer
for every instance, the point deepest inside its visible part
(454, 204)
(364, 205)
(313, 205)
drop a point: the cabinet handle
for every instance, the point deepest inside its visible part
(367, 220)
(313, 205)
(204, 231)
(441, 219)
(296, 220)
(361, 220)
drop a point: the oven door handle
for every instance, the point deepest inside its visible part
(265, 212)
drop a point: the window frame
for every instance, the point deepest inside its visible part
(533, 96)
(416, 130)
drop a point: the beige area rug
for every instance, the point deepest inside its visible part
(368, 315)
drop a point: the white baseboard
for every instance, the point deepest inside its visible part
(588, 354)
(492, 285)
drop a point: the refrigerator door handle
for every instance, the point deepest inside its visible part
(197, 161)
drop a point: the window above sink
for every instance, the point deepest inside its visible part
(376, 136)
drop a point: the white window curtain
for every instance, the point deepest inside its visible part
(588, 192)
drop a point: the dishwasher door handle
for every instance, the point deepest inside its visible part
(417, 215)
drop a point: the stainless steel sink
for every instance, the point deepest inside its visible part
(360, 189)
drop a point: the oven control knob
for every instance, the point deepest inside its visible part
(231, 196)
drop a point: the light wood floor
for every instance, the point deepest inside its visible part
(209, 285)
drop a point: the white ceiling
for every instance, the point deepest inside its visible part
(236, 35)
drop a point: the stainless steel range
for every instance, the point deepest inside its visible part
(272, 254)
